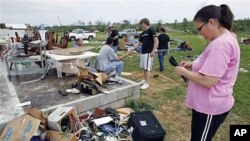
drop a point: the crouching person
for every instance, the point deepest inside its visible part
(107, 60)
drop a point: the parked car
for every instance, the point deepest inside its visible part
(187, 31)
(80, 33)
(129, 31)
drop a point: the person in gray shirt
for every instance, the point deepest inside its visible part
(107, 60)
(78, 43)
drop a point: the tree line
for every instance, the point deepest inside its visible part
(241, 25)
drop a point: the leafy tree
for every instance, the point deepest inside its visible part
(184, 24)
(90, 23)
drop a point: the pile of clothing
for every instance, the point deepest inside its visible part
(184, 46)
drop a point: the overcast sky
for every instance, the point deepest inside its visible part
(46, 12)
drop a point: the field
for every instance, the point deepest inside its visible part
(167, 92)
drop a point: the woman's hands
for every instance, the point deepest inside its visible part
(183, 69)
(201, 79)
(186, 64)
(179, 71)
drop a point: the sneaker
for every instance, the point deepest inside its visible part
(142, 82)
(112, 74)
(144, 86)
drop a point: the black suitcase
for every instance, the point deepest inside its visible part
(145, 127)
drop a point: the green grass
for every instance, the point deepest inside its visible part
(241, 89)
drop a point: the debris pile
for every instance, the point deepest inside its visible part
(64, 124)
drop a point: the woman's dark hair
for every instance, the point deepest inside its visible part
(222, 13)
(109, 41)
(162, 29)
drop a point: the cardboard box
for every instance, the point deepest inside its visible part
(22, 128)
(60, 136)
(69, 113)
(34, 112)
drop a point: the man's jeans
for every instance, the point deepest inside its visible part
(161, 54)
(118, 65)
(115, 48)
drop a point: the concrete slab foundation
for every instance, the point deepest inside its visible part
(44, 95)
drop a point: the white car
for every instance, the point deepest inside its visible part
(80, 33)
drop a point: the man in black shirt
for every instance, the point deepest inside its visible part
(114, 36)
(149, 42)
(163, 47)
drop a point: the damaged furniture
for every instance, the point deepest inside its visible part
(65, 60)
(63, 44)
(18, 57)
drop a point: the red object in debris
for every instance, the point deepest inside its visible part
(99, 113)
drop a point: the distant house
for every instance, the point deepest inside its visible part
(8, 30)
(14, 26)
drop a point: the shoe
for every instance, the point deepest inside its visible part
(112, 73)
(144, 86)
(142, 82)
(73, 91)
(62, 92)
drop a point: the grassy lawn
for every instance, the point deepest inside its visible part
(167, 92)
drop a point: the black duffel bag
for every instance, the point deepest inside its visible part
(145, 127)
